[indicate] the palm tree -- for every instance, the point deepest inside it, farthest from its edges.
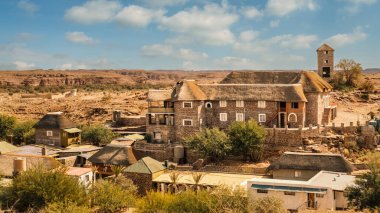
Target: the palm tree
(197, 177)
(174, 177)
(117, 170)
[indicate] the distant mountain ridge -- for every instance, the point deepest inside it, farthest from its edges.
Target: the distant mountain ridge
(372, 70)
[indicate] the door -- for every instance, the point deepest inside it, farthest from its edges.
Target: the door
(326, 72)
(281, 120)
(311, 201)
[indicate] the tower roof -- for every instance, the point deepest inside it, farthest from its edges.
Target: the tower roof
(324, 47)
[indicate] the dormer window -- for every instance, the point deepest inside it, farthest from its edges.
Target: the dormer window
(261, 104)
(239, 103)
(222, 103)
(187, 104)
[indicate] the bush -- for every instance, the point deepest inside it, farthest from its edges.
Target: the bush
(23, 132)
(368, 86)
(247, 138)
(212, 143)
(97, 134)
(267, 205)
(6, 125)
(37, 187)
(113, 195)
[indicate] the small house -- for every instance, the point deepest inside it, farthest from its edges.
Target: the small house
(56, 130)
(143, 172)
(111, 155)
(84, 175)
(303, 166)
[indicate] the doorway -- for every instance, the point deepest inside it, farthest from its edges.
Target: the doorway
(326, 72)
(311, 201)
(282, 119)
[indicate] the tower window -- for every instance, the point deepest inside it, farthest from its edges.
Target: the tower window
(326, 61)
(326, 52)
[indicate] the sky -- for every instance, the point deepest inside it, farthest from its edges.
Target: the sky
(185, 34)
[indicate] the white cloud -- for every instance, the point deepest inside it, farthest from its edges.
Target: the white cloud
(95, 11)
(354, 6)
(252, 12)
(163, 3)
(166, 50)
(137, 16)
(294, 41)
(27, 6)
(274, 23)
(249, 35)
(209, 25)
(235, 63)
(283, 8)
(79, 37)
(342, 39)
(21, 65)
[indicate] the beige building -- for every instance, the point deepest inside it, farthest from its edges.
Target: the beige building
(324, 191)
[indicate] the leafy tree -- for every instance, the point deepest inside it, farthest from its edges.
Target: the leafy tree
(350, 73)
(365, 194)
(113, 195)
(23, 132)
(6, 125)
(37, 187)
(226, 199)
(97, 134)
(211, 143)
(267, 205)
(247, 138)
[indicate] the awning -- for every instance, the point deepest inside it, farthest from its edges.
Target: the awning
(290, 188)
(72, 130)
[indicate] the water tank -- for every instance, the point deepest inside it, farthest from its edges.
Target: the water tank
(179, 152)
(19, 165)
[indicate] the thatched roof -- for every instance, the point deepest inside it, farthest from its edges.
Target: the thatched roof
(159, 95)
(54, 120)
(254, 92)
(311, 81)
(324, 47)
(188, 90)
(7, 147)
(114, 155)
(312, 161)
(146, 165)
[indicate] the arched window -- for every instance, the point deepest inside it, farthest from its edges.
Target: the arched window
(292, 118)
(208, 105)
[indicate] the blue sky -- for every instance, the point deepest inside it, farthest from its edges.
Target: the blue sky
(185, 34)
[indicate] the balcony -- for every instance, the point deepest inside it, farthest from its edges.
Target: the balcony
(160, 110)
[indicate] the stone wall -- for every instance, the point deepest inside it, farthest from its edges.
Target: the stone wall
(182, 113)
(42, 138)
(142, 181)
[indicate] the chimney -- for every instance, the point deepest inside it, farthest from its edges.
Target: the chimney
(43, 151)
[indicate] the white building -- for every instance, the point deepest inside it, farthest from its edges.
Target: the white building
(324, 191)
(85, 175)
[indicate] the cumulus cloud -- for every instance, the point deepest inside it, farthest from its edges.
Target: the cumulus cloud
(190, 55)
(343, 39)
(209, 25)
(157, 50)
(95, 11)
(137, 16)
(79, 37)
(231, 62)
(283, 8)
(166, 50)
(21, 65)
(249, 35)
(274, 23)
(252, 12)
(27, 6)
(294, 41)
(163, 3)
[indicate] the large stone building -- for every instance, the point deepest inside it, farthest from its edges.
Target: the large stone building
(285, 99)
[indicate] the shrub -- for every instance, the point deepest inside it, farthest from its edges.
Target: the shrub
(23, 132)
(267, 205)
(6, 125)
(97, 134)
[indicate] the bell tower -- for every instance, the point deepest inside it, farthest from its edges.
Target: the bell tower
(325, 59)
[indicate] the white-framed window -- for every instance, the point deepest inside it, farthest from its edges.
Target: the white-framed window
(292, 117)
(222, 103)
(262, 118)
(208, 105)
(239, 116)
(49, 133)
(261, 104)
(223, 116)
(295, 105)
(187, 104)
(297, 173)
(187, 122)
(239, 103)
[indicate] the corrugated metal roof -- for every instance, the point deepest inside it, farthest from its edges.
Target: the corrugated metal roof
(72, 130)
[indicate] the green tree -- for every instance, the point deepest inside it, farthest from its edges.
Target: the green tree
(267, 205)
(113, 195)
(247, 138)
(349, 74)
(212, 143)
(6, 125)
(23, 132)
(365, 194)
(97, 134)
(37, 187)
